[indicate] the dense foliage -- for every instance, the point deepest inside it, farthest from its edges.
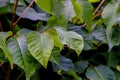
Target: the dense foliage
(59, 39)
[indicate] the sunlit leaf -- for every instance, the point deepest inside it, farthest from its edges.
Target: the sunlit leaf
(46, 5)
(111, 14)
(55, 37)
(72, 39)
(93, 1)
(72, 73)
(87, 12)
(78, 10)
(40, 46)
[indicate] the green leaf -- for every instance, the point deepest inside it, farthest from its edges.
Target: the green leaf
(99, 33)
(66, 64)
(5, 50)
(55, 56)
(55, 37)
(2, 57)
(20, 54)
(117, 75)
(72, 73)
(31, 14)
(8, 54)
(100, 73)
(46, 5)
(113, 57)
(111, 15)
(109, 40)
(88, 38)
(80, 66)
(72, 39)
(115, 36)
(87, 12)
(118, 67)
(40, 46)
(77, 9)
(5, 35)
(93, 1)
(62, 13)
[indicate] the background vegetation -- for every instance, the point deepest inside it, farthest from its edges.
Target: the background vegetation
(59, 39)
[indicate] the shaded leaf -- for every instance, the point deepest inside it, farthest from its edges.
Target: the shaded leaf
(72, 39)
(100, 73)
(115, 36)
(2, 56)
(40, 46)
(99, 33)
(80, 66)
(31, 14)
(20, 54)
(4, 3)
(55, 56)
(66, 64)
(114, 57)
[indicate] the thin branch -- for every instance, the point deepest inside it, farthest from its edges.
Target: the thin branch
(23, 13)
(13, 13)
(98, 6)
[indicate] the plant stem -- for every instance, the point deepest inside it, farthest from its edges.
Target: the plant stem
(23, 13)
(7, 72)
(98, 6)
(13, 13)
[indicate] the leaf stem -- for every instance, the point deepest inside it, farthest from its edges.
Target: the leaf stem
(13, 13)
(23, 13)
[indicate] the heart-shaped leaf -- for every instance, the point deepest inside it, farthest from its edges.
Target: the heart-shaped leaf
(20, 54)
(40, 46)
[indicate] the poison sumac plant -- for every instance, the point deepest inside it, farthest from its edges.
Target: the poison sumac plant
(59, 39)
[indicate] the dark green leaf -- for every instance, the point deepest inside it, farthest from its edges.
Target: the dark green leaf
(66, 64)
(81, 66)
(31, 14)
(116, 36)
(55, 56)
(100, 73)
